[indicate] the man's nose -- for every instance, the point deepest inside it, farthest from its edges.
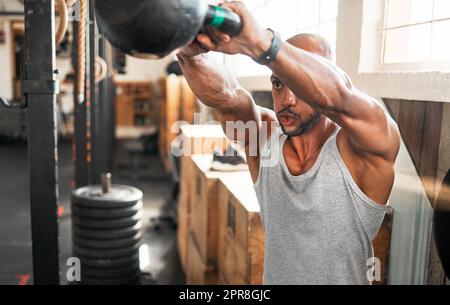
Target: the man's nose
(289, 99)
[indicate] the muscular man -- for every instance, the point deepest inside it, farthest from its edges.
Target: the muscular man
(325, 198)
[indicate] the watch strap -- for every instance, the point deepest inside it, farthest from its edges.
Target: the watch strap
(272, 52)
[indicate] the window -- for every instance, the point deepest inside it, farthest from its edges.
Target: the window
(416, 35)
(288, 17)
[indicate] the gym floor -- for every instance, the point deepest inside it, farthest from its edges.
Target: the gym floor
(159, 257)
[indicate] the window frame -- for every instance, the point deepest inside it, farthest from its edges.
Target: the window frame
(363, 64)
(319, 22)
(429, 65)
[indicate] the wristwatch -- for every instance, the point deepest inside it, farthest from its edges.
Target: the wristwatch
(272, 52)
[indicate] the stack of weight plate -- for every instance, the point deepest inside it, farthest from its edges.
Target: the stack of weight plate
(107, 231)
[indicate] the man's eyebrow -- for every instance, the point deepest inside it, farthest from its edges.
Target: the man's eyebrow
(273, 77)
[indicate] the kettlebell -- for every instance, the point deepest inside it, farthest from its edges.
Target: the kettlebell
(155, 28)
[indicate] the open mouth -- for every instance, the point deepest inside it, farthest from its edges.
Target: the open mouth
(286, 120)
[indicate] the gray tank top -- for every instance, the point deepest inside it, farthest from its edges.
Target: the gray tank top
(319, 225)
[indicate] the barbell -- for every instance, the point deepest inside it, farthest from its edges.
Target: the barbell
(155, 28)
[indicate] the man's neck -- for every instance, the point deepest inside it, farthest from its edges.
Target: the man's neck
(307, 145)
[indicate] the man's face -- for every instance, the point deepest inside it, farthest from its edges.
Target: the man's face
(295, 116)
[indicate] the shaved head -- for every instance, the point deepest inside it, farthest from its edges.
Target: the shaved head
(313, 43)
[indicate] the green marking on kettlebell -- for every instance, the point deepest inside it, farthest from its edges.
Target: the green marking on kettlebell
(219, 17)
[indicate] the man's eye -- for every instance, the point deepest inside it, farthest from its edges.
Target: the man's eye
(277, 84)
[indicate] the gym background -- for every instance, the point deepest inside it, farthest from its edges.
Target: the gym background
(173, 220)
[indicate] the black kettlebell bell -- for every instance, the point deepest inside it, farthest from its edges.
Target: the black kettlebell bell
(155, 28)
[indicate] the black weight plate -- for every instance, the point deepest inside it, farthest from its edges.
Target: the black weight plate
(131, 279)
(105, 253)
(109, 262)
(108, 244)
(107, 223)
(120, 196)
(108, 273)
(106, 213)
(92, 204)
(107, 234)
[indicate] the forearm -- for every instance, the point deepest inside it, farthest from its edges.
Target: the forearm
(312, 78)
(213, 84)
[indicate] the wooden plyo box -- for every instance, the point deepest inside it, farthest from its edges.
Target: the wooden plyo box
(193, 134)
(204, 217)
(198, 273)
(183, 228)
(241, 234)
(204, 207)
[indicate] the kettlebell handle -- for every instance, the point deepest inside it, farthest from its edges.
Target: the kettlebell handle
(224, 20)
